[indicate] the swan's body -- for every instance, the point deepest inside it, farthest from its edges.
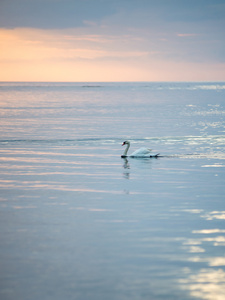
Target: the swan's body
(142, 152)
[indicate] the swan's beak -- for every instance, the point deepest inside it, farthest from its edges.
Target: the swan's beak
(123, 144)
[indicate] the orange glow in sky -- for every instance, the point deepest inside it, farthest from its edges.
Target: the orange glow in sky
(113, 49)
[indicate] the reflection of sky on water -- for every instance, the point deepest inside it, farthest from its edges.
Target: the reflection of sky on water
(220, 215)
(206, 280)
(206, 284)
(204, 276)
(133, 229)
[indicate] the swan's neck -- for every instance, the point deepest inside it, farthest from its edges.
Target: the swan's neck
(126, 150)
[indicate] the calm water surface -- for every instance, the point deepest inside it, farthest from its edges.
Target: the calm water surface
(79, 222)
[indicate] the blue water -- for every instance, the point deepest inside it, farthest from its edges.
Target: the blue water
(79, 222)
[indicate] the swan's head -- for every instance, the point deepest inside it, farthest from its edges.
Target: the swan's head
(126, 143)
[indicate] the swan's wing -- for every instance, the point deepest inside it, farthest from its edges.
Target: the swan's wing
(141, 152)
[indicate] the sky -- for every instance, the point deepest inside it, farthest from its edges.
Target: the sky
(112, 40)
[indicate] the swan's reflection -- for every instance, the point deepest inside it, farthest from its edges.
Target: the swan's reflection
(126, 166)
(126, 163)
(142, 162)
(139, 162)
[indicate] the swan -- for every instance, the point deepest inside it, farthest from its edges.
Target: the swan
(142, 152)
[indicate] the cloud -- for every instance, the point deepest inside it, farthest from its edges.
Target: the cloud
(51, 14)
(186, 34)
(29, 44)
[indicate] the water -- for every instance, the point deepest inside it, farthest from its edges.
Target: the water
(79, 222)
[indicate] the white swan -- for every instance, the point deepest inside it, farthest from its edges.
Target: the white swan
(142, 152)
